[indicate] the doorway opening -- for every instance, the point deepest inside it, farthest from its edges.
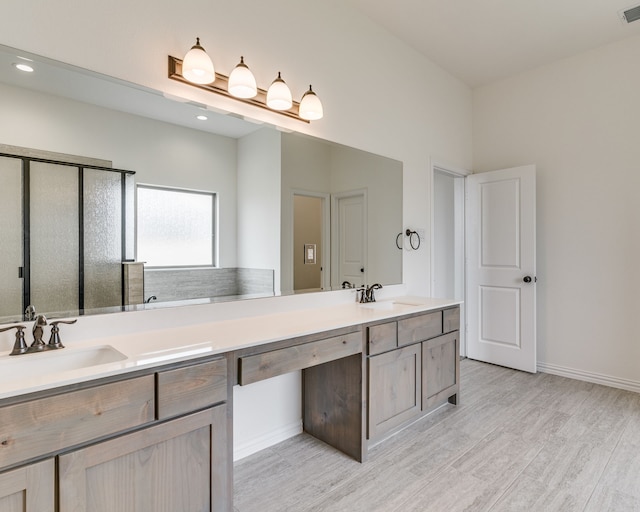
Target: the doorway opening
(448, 239)
(310, 243)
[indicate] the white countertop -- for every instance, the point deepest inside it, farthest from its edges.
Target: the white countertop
(28, 373)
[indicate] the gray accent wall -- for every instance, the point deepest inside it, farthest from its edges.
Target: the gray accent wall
(199, 283)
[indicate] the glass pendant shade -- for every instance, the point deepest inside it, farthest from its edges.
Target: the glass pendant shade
(197, 66)
(242, 83)
(279, 95)
(310, 106)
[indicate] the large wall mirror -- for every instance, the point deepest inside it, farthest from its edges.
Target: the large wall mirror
(285, 213)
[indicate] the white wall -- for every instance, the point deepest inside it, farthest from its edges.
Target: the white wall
(259, 202)
(578, 120)
(349, 60)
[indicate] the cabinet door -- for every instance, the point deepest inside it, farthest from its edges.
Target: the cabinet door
(28, 489)
(181, 465)
(440, 370)
(394, 389)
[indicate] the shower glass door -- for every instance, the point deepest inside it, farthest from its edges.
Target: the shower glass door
(54, 240)
(11, 266)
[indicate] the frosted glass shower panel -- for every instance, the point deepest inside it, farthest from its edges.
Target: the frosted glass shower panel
(102, 239)
(54, 237)
(130, 217)
(10, 237)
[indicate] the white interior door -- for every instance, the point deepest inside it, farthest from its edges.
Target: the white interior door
(501, 267)
(349, 238)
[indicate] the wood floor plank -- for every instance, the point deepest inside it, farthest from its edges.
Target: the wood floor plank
(517, 442)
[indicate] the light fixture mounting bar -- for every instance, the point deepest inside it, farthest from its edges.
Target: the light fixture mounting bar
(220, 86)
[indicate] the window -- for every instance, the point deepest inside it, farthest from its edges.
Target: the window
(175, 227)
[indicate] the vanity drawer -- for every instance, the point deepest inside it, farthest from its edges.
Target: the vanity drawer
(419, 328)
(278, 362)
(190, 388)
(51, 424)
(451, 320)
(382, 338)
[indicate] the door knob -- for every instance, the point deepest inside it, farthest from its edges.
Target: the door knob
(527, 279)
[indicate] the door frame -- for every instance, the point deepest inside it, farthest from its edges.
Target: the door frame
(460, 236)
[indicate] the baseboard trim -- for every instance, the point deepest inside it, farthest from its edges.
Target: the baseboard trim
(267, 440)
(596, 378)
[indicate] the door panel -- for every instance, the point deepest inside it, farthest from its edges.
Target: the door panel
(350, 239)
(501, 253)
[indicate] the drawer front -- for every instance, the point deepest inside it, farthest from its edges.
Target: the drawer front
(277, 362)
(190, 388)
(451, 320)
(382, 338)
(51, 424)
(419, 328)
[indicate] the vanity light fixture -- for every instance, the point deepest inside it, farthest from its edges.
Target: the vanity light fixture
(279, 95)
(197, 66)
(310, 106)
(242, 83)
(197, 70)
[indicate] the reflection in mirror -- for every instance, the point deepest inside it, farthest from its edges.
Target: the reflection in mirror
(255, 172)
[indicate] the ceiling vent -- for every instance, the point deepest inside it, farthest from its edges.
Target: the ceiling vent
(630, 14)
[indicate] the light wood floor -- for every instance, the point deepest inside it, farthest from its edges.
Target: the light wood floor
(536, 443)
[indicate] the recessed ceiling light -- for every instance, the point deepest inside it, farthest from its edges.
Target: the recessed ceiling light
(201, 118)
(24, 67)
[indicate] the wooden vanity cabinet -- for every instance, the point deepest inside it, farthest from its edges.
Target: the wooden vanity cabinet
(169, 466)
(159, 440)
(30, 488)
(413, 365)
(394, 389)
(440, 370)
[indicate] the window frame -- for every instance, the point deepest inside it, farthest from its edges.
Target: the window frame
(214, 223)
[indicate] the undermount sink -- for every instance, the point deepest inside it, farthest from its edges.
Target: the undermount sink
(389, 305)
(54, 361)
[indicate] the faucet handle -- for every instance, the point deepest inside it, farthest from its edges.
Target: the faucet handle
(54, 340)
(20, 345)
